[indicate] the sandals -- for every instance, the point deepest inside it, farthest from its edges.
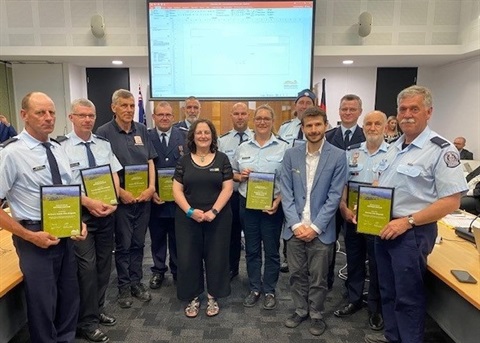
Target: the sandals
(212, 307)
(191, 311)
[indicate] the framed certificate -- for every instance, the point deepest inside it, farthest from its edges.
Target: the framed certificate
(352, 194)
(136, 179)
(374, 208)
(61, 210)
(165, 183)
(98, 184)
(260, 188)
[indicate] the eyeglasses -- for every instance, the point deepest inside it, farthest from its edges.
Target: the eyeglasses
(85, 116)
(264, 119)
(163, 115)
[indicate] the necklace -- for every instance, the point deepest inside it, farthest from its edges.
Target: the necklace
(202, 157)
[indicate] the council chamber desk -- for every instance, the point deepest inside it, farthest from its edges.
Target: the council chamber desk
(455, 306)
(12, 298)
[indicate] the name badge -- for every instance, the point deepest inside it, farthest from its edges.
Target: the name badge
(39, 168)
(73, 165)
(214, 169)
(138, 140)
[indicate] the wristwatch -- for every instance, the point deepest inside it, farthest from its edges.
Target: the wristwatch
(411, 221)
(214, 211)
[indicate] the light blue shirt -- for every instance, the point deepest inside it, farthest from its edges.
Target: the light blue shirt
(77, 154)
(24, 168)
(289, 130)
(266, 159)
(422, 173)
(365, 167)
(167, 135)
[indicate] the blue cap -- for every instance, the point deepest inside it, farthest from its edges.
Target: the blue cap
(306, 92)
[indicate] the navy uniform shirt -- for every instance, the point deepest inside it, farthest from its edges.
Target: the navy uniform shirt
(24, 168)
(422, 173)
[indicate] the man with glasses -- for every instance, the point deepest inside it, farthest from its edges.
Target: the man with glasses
(169, 143)
(191, 111)
(228, 144)
(94, 255)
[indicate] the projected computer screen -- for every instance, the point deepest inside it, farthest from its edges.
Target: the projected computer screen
(230, 49)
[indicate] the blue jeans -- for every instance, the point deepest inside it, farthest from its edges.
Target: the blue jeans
(260, 227)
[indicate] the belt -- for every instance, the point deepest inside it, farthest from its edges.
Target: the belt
(27, 222)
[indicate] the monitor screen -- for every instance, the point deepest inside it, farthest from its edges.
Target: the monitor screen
(222, 50)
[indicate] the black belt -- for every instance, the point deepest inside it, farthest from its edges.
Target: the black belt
(27, 222)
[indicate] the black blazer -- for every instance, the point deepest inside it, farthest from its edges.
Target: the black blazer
(334, 136)
(466, 155)
(167, 158)
(181, 125)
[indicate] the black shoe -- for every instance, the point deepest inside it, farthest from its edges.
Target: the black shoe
(124, 299)
(347, 310)
(317, 327)
(284, 267)
(107, 320)
(269, 302)
(233, 274)
(251, 299)
(375, 321)
(294, 320)
(375, 338)
(93, 336)
(138, 291)
(156, 280)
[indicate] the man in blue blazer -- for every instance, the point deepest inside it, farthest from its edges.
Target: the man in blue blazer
(342, 136)
(169, 143)
(312, 180)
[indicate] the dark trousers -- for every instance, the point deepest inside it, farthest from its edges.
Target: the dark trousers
(236, 237)
(162, 234)
(130, 228)
(338, 228)
(94, 257)
(262, 228)
(51, 289)
(358, 246)
(402, 263)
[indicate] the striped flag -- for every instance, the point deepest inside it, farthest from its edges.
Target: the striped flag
(141, 110)
(323, 101)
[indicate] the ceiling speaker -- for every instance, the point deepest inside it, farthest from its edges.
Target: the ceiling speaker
(97, 25)
(364, 24)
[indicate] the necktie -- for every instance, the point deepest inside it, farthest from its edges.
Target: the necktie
(241, 135)
(347, 138)
(56, 179)
(163, 141)
(91, 158)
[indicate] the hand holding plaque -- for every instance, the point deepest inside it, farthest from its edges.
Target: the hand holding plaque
(98, 184)
(374, 209)
(61, 210)
(136, 179)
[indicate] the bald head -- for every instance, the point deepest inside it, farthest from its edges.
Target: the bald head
(240, 116)
(459, 143)
(373, 127)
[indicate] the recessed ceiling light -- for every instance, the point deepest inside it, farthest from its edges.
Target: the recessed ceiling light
(347, 62)
(117, 62)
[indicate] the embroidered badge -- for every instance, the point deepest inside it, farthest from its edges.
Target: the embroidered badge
(452, 159)
(354, 160)
(138, 140)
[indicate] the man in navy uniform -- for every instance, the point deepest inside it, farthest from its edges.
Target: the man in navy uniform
(48, 264)
(94, 255)
(426, 173)
(348, 133)
(228, 144)
(169, 143)
(191, 111)
(131, 144)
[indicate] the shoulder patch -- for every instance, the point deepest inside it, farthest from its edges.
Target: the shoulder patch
(286, 122)
(452, 159)
(100, 137)
(8, 141)
(354, 146)
(61, 139)
(442, 143)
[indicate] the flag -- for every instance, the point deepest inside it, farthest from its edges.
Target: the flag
(323, 102)
(141, 110)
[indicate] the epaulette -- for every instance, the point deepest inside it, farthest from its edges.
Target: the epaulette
(182, 128)
(225, 134)
(286, 122)
(354, 146)
(8, 141)
(442, 143)
(61, 139)
(100, 137)
(55, 140)
(333, 128)
(281, 139)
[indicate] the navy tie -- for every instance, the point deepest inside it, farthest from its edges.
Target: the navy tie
(56, 178)
(241, 135)
(91, 158)
(163, 141)
(347, 138)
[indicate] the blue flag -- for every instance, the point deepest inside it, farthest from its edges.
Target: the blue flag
(141, 110)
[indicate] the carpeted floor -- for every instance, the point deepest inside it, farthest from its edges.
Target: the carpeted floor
(162, 319)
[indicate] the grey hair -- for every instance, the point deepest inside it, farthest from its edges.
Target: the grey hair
(416, 90)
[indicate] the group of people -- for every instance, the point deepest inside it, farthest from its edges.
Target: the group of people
(202, 227)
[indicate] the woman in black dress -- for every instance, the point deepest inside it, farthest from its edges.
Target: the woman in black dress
(202, 188)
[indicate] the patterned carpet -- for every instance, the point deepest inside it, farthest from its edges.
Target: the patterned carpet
(162, 320)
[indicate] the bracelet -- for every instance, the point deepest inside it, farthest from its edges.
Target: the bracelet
(190, 212)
